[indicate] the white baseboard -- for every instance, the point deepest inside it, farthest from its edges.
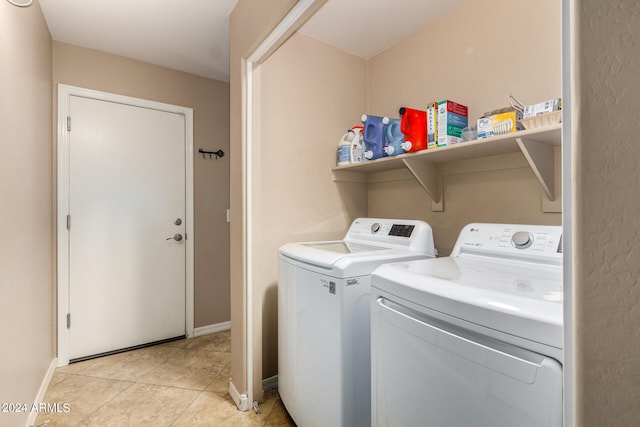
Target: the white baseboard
(31, 420)
(211, 329)
(241, 400)
(270, 383)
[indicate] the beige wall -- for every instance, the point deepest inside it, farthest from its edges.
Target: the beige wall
(210, 101)
(249, 23)
(606, 157)
(26, 248)
(475, 55)
(306, 107)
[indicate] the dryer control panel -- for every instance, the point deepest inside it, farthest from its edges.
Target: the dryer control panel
(511, 240)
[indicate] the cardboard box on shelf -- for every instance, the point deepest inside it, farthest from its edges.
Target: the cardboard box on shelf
(497, 124)
(432, 125)
(451, 119)
(454, 107)
(444, 140)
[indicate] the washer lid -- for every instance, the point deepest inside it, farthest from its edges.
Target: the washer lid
(343, 247)
(327, 254)
(343, 258)
(519, 298)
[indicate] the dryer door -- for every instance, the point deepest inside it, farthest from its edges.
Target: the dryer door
(428, 372)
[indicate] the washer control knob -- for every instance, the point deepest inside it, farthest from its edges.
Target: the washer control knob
(375, 227)
(522, 239)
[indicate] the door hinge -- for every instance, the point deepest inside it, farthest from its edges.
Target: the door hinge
(68, 222)
(68, 320)
(68, 123)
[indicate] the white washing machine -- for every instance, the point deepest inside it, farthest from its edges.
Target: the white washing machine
(323, 318)
(474, 339)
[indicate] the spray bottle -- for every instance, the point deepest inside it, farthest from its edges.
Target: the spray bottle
(357, 150)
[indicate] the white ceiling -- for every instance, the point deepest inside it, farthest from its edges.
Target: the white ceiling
(193, 35)
(367, 27)
(186, 35)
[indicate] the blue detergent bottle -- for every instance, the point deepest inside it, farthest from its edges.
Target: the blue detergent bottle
(393, 136)
(373, 137)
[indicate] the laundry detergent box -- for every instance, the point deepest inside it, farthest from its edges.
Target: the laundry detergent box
(451, 119)
(451, 113)
(444, 140)
(432, 125)
(449, 135)
(452, 130)
(453, 107)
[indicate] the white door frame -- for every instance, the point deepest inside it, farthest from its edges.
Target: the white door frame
(569, 92)
(64, 94)
(294, 19)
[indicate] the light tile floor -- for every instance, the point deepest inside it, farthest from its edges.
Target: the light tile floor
(181, 383)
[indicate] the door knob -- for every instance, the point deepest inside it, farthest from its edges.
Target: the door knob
(177, 237)
(178, 221)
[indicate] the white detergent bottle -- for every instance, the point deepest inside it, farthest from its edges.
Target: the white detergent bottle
(344, 148)
(356, 145)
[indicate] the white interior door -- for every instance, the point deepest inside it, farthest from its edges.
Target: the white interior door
(126, 202)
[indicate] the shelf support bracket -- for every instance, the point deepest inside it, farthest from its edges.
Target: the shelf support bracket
(541, 160)
(425, 173)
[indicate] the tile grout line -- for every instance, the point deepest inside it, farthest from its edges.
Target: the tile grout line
(108, 401)
(217, 374)
(185, 408)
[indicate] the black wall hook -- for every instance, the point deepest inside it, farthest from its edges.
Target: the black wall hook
(218, 153)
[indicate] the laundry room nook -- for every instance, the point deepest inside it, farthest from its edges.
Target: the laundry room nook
(356, 224)
(309, 93)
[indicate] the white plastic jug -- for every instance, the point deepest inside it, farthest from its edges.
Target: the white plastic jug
(344, 148)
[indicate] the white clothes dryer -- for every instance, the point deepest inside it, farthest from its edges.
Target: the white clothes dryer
(323, 318)
(474, 339)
